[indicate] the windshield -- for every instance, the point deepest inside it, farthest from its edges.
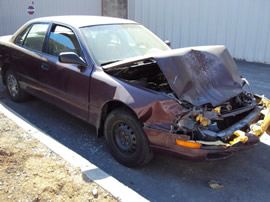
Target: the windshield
(111, 43)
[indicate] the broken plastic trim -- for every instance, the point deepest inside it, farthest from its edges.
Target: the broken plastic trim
(257, 128)
(213, 143)
(240, 124)
(241, 137)
(260, 127)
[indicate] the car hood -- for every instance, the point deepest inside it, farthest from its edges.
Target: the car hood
(198, 75)
(201, 75)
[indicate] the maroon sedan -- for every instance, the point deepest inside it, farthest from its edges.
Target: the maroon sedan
(143, 96)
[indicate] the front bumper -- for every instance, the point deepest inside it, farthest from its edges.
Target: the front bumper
(161, 141)
(164, 141)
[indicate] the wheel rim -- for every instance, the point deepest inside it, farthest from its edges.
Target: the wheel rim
(12, 85)
(125, 138)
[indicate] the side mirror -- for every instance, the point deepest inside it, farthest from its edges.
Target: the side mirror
(168, 43)
(71, 58)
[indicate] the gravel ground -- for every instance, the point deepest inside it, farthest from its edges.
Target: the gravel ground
(30, 171)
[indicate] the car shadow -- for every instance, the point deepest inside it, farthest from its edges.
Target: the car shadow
(165, 177)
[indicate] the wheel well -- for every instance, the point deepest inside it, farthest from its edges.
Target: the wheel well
(106, 109)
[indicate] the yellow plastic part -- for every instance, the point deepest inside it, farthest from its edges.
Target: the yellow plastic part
(256, 129)
(260, 128)
(240, 137)
(203, 120)
(217, 109)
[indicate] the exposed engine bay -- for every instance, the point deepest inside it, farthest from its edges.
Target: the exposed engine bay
(145, 73)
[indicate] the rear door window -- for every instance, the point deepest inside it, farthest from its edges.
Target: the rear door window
(62, 39)
(36, 36)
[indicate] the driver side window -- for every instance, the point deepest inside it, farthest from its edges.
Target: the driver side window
(63, 39)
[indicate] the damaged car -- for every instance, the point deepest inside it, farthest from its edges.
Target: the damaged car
(140, 94)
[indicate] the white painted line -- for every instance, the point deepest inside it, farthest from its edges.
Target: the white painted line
(89, 170)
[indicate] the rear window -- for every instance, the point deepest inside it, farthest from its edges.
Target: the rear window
(35, 37)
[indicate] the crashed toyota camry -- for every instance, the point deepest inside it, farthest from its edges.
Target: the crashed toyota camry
(142, 95)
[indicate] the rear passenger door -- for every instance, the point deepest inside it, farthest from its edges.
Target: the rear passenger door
(66, 84)
(26, 56)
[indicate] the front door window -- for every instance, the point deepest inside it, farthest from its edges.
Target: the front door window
(63, 39)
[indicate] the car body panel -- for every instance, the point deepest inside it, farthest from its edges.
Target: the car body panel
(27, 60)
(60, 82)
(201, 75)
(105, 88)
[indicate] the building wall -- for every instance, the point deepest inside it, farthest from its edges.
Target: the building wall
(13, 13)
(242, 25)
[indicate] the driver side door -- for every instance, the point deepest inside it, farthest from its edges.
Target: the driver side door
(66, 85)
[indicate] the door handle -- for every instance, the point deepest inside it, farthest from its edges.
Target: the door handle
(45, 66)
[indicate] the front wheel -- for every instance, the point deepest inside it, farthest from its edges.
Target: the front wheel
(13, 87)
(126, 139)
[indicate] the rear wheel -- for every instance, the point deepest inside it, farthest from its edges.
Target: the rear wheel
(126, 139)
(15, 92)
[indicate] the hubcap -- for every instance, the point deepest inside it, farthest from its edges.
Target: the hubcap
(125, 138)
(12, 85)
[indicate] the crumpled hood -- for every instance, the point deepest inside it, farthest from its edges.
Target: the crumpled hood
(201, 75)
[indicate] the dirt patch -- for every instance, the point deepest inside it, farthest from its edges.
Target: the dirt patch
(30, 171)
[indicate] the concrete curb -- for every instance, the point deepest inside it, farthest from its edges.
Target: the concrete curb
(89, 170)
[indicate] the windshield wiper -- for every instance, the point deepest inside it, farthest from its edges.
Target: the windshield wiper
(110, 62)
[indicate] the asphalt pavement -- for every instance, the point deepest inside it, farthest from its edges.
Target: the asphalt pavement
(244, 176)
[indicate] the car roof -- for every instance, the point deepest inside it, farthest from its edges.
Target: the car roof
(82, 20)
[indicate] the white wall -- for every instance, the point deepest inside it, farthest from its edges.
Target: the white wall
(13, 13)
(242, 25)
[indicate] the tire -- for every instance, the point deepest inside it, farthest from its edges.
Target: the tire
(126, 139)
(16, 93)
